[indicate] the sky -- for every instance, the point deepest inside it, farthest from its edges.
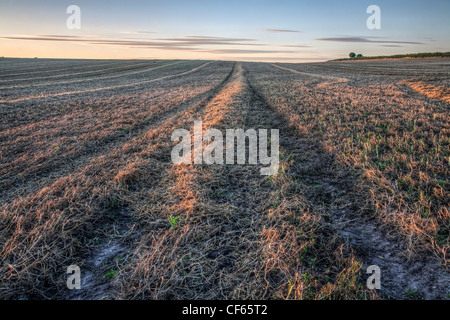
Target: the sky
(252, 30)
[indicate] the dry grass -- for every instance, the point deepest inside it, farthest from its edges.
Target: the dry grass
(84, 173)
(431, 91)
(237, 235)
(64, 218)
(399, 148)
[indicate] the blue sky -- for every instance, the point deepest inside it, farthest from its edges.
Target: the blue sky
(261, 30)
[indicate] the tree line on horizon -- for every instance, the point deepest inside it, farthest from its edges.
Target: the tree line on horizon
(354, 56)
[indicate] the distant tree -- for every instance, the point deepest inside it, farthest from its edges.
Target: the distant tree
(359, 55)
(352, 54)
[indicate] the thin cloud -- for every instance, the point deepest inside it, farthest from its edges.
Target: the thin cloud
(48, 38)
(69, 37)
(137, 32)
(365, 39)
(243, 51)
(217, 38)
(296, 46)
(209, 40)
(188, 43)
(204, 44)
(167, 47)
(164, 42)
(392, 46)
(282, 31)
